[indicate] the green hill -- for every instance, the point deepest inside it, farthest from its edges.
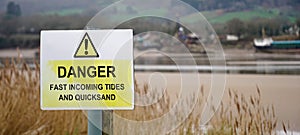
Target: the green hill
(219, 16)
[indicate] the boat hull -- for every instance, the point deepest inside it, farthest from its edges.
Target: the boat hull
(280, 47)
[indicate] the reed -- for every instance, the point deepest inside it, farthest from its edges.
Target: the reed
(20, 111)
(239, 115)
(20, 105)
(250, 116)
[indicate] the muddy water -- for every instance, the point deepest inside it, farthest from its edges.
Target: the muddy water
(283, 91)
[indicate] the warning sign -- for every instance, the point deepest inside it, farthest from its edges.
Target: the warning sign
(74, 77)
(86, 48)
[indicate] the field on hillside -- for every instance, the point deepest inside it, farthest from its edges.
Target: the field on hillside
(64, 12)
(218, 16)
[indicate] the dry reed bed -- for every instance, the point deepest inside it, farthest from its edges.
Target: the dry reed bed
(20, 111)
(20, 106)
(239, 116)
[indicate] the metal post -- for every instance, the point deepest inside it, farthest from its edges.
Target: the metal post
(100, 122)
(94, 122)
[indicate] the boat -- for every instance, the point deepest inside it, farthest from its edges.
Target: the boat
(269, 45)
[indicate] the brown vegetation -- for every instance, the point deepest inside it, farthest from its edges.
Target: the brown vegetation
(20, 106)
(21, 114)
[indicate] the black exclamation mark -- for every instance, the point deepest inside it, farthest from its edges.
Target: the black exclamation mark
(86, 47)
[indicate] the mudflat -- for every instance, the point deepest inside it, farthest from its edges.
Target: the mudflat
(282, 91)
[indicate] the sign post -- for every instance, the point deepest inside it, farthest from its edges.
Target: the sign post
(94, 120)
(87, 70)
(100, 122)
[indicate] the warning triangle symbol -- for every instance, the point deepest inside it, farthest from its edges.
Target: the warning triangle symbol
(86, 48)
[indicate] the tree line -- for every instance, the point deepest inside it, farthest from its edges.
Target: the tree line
(248, 30)
(23, 31)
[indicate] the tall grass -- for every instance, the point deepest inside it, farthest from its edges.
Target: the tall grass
(239, 116)
(20, 111)
(244, 115)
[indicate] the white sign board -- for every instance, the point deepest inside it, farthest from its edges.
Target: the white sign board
(87, 70)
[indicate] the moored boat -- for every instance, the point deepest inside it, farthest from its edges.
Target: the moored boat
(269, 45)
